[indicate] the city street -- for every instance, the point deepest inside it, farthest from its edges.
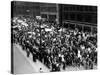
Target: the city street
(21, 64)
(25, 65)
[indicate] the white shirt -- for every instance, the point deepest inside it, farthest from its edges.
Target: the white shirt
(79, 55)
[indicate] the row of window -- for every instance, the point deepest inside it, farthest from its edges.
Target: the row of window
(80, 8)
(81, 27)
(91, 18)
(48, 9)
(50, 17)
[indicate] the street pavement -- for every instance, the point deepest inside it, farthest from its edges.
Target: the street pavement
(25, 65)
(21, 65)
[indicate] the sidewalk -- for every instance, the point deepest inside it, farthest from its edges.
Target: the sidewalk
(26, 63)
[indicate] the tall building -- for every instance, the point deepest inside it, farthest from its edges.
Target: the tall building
(45, 10)
(81, 16)
(25, 8)
(49, 11)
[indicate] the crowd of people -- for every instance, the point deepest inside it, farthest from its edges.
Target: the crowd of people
(55, 46)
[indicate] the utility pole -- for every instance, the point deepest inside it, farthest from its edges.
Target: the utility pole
(57, 16)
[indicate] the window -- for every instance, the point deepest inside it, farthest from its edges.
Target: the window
(81, 8)
(66, 16)
(66, 8)
(72, 26)
(79, 17)
(52, 17)
(52, 9)
(66, 25)
(87, 29)
(44, 9)
(94, 30)
(44, 15)
(72, 16)
(79, 27)
(88, 18)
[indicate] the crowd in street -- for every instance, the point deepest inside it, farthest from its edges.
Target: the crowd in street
(55, 46)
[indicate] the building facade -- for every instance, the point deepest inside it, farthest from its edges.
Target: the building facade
(80, 16)
(25, 8)
(45, 10)
(49, 11)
